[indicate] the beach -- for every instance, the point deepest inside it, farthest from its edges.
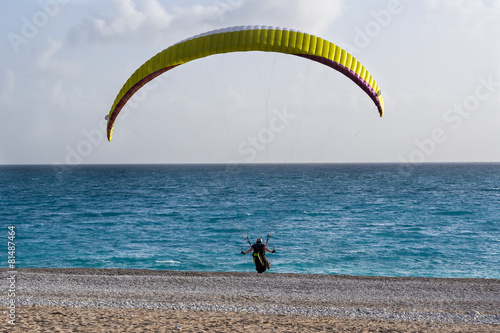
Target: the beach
(119, 300)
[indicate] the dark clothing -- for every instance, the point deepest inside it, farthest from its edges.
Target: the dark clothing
(259, 257)
(259, 247)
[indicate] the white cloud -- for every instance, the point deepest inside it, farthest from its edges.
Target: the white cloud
(58, 97)
(127, 19)
(475, 17)
(310, 16)
(53, 75)
(130, 19)
(44, 59)
(50, 65)
(149, 20)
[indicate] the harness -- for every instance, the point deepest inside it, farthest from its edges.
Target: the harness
(257, 256)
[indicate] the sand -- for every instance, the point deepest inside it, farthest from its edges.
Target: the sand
(115, 300)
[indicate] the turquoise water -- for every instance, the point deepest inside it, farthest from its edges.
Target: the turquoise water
(439, 220)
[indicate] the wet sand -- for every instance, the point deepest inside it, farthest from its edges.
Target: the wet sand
(115, 300)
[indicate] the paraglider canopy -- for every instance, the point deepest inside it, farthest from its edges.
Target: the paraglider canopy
(247, 38)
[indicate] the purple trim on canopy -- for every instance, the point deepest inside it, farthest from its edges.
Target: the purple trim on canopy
(350, 74)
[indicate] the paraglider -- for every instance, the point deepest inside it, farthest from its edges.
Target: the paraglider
(259, 254)
(241, 39)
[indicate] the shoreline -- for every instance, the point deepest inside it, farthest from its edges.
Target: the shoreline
(143, 271)
(408, 301)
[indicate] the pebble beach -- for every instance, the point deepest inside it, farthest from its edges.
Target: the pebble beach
(120, 300)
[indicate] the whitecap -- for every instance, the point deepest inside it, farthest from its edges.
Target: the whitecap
(167, 262)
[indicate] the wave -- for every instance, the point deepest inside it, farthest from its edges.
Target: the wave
(167, 262)
(453, 212)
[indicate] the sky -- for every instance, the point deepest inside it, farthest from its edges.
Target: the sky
(64, 61)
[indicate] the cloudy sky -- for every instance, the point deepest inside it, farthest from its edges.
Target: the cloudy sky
(64, 61)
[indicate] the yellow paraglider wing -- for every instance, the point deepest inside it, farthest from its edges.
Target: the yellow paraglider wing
(247, 38)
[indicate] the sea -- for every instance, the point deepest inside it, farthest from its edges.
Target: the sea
(428, 220)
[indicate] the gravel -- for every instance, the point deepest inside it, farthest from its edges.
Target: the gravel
(474, 301)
